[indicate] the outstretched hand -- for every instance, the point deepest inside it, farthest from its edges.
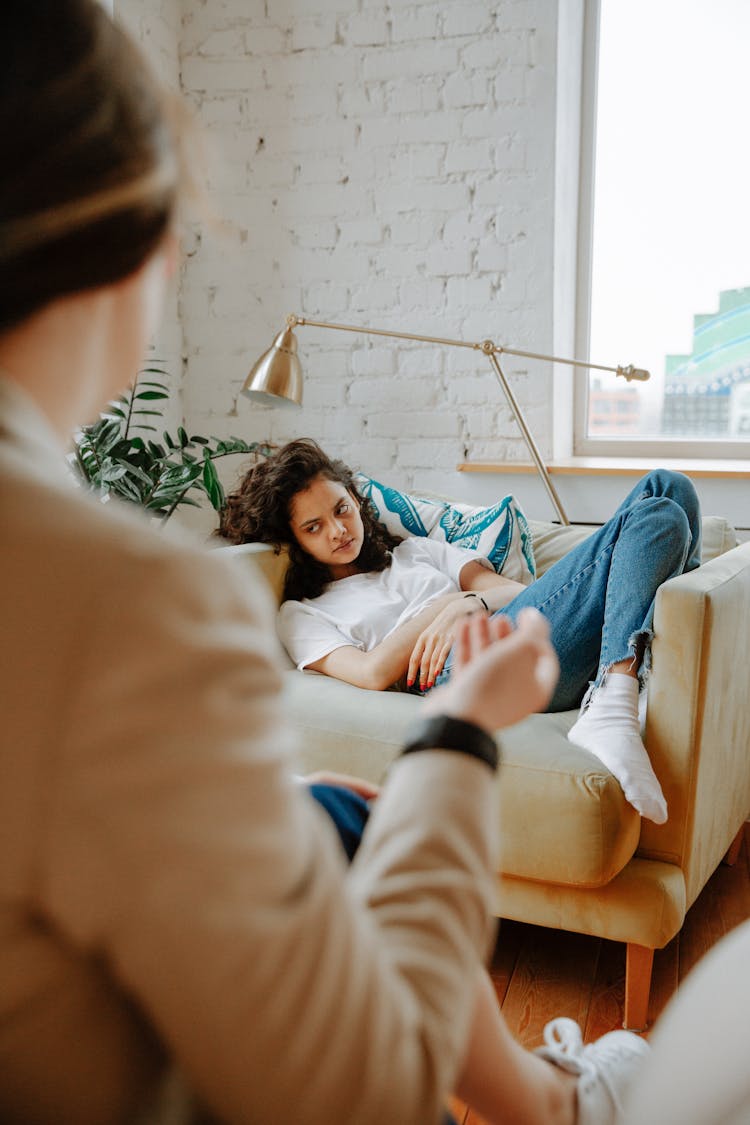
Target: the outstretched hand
(500, 674)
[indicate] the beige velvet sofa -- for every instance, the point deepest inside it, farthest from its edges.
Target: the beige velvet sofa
(574, 855)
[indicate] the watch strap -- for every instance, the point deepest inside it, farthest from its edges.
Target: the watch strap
(443, 732)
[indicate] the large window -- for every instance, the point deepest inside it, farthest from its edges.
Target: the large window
(666, 280)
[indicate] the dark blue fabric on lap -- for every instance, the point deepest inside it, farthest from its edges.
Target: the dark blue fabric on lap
(347, 810)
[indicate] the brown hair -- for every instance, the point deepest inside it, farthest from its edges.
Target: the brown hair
(90, 159)
(259, 511)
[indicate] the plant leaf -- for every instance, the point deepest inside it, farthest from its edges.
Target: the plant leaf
(128, 491)
(113, 472)
(212, 484)
(138, 474)
(159, 477)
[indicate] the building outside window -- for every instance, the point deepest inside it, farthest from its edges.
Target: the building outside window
(666, 238)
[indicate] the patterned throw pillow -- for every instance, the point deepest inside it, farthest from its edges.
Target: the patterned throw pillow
(500, 532)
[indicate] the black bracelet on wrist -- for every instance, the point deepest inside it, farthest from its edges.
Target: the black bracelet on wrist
(472, 594)
(443, 732)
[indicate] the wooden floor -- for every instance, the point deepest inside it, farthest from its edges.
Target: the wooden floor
(539, 974)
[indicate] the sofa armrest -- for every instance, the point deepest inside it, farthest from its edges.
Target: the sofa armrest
(698, 726)
(261, 561)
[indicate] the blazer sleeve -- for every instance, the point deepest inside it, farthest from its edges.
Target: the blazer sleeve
(180, 851)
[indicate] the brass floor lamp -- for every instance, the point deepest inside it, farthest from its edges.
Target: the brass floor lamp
(278, 375)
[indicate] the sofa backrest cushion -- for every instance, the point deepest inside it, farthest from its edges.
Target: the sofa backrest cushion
(551, 541)
(500, 533)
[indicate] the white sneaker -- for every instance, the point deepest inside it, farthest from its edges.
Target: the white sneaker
(606, 1068)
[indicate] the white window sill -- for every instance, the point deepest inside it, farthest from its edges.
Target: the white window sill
(592, 487)
(615, 466)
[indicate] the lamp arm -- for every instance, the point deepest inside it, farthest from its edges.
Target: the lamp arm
(531, 445)
(293, 320)
(629, 373)
(492, 351)
(486, 346)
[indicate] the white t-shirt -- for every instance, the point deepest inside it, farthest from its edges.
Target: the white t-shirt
(364, 609)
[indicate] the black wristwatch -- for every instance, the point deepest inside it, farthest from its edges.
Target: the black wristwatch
(442, 732)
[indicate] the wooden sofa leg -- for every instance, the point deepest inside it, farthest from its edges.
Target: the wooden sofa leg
(638, 964)
(734, 848)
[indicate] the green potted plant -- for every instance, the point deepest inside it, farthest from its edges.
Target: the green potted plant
(113, 457)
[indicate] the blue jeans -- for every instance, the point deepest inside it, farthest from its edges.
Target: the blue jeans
(599, 598)
(347, 810)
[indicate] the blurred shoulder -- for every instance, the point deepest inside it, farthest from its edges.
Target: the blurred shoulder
(65, 542)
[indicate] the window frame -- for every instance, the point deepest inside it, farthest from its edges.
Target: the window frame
(697, 449)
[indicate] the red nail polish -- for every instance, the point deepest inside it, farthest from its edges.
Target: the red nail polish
(410, 683)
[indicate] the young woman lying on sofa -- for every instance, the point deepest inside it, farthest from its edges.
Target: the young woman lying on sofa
(368, 608)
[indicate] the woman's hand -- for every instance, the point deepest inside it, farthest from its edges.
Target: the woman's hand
(499, 674)
(345, 781)
(436, 640)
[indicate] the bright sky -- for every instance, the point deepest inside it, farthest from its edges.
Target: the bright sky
(672, 222)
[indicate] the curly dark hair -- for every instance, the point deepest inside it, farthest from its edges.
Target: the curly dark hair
(258, 512)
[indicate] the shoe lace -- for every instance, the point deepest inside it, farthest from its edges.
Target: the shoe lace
(596, 1061)
(564, 1035)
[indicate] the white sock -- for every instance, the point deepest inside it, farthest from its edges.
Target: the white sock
(610, 729)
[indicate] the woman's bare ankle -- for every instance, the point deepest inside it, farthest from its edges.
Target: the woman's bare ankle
(625, 668)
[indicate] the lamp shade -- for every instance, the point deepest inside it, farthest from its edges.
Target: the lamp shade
(276, 378)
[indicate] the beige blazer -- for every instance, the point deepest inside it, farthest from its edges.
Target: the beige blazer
(166, 888)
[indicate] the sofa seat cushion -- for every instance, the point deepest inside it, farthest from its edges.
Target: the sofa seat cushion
(563, 818)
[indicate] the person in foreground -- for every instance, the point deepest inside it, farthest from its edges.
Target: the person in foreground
(364, 607)
(167, 889)
(698, 1072)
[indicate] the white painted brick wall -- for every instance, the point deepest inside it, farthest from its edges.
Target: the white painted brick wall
(382, 163)
(157, 24)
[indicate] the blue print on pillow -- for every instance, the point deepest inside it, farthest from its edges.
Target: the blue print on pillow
(397, 511)
(500, 532)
